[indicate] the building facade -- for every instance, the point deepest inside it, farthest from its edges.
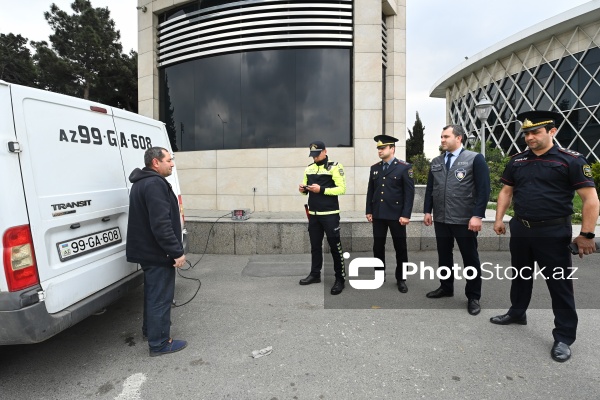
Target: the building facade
(554, 65)
(244, 87)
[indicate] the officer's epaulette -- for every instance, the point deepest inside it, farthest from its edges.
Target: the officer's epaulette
(570, 152)
(402, 162)
(518, 154)
(310, 164)
(377, 163)
(331, 164)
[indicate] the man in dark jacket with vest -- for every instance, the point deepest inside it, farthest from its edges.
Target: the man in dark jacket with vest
(458, 190)
(390, 196)
(154, 240)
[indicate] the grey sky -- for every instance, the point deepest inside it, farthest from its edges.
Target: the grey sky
(26, 17)
(439, 35)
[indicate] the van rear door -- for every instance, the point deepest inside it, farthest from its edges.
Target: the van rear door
(136, 134)
(76, 192)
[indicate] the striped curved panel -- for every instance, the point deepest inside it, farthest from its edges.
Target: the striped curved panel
(255, 24)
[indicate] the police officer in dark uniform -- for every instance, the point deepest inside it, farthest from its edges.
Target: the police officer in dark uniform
(324, 181)
(390, 197)
(541, 182)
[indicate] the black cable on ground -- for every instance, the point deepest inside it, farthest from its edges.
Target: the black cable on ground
(196, 263)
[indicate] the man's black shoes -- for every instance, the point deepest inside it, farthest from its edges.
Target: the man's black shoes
(473, 307)
(439, 292)
(402, 288)
(506, 319)
(310, 279)
(337, 288)
(560, 352)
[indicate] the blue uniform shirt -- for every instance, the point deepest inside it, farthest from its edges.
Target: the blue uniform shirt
(544, 185)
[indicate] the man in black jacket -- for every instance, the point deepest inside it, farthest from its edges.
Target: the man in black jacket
(390, 196)
(154, 240)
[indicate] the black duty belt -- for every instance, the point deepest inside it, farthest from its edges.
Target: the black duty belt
(549, 222)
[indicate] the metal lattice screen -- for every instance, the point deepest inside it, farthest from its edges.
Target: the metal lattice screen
(560, 74)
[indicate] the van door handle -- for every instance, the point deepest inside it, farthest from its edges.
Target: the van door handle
(105, 219)
(75, 226)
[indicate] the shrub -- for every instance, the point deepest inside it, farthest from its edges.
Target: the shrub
(596, 175)
(496, 163)
(420, 165)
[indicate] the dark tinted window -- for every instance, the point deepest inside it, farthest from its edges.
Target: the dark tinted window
(271, 98)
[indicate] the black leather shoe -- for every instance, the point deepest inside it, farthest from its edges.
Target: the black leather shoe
(310, 279)
(337, 287)
(561, 352)
(473, 307)
(506, 319)
(439, 292)
(402, 288)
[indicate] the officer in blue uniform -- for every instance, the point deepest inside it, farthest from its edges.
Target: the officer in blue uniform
(390, 197)
(541, 182)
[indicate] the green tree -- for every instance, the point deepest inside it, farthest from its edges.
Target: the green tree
(54, 73)
(496, 163)
(420, 166)
(596, 175)
(118, 83)
(414, 144)
(16, 62)
(85, 59)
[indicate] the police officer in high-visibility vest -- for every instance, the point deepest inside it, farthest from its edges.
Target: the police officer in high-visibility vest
(390, 196)
(324, 181)
(541, 182)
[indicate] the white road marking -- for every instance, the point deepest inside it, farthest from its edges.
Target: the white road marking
(131, 387)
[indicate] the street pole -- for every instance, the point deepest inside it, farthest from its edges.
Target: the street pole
(483, 138)
(483, 109)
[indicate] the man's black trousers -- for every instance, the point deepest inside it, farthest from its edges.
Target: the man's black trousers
(318, 225)
(398, 232)
(445, 234)
(546, 245)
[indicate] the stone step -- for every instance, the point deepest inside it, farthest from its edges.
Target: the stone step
(286, 233)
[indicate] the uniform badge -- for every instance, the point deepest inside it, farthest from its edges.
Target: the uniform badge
(341, 172)
(460, 174)
(587, 171)
(410, 173)
(375, 172)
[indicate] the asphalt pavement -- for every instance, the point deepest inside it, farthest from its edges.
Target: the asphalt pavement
(362, 344)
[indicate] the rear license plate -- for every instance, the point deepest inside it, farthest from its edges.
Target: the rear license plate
(87, 244)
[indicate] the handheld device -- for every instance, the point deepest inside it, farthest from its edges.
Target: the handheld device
(575, 249)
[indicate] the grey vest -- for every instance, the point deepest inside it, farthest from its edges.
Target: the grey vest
(453, 191)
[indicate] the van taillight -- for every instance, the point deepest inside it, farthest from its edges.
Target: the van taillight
(181, 209)
(19, 258)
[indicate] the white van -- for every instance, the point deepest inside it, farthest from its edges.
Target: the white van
(64, 165)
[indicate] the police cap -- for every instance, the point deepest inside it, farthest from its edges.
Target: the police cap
(385, 140)
(316, 148)
(531, 120)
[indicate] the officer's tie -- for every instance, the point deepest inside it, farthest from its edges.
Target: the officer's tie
(448, 157)
(385, 166)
